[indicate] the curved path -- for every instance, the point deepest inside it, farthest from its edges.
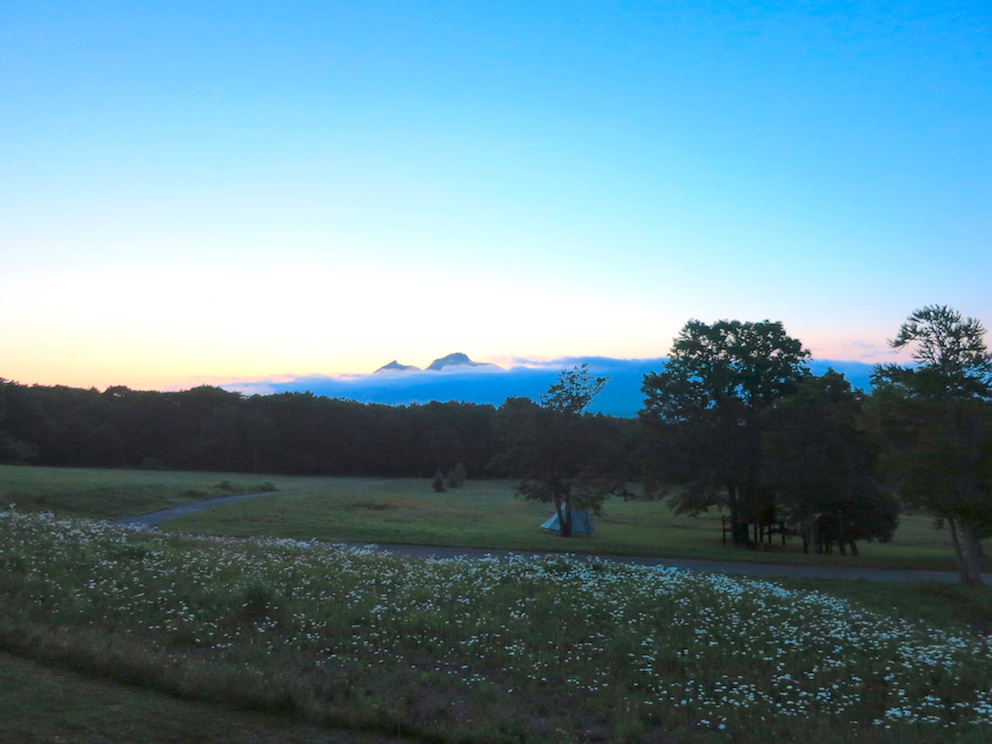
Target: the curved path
(154, 518)
(739, 568)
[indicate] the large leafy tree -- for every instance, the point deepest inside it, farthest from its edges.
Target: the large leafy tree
(705, 412)
(938, 417)
(820, 463)
(560, 454)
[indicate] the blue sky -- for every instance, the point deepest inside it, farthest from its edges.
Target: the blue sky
(206, 192)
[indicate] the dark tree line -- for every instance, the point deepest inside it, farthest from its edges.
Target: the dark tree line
(208, 428)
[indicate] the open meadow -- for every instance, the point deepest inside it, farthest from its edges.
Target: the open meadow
(112, 494)
(487, 514)
(546, 649)
(481, 514)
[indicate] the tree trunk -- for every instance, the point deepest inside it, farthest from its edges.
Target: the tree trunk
(809, 535)
(738, 530)
(967, 552)
(958, 555)
(564, 512)
(971, 554)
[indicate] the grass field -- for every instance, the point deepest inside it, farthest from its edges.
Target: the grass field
(294, 630)
(45, 704)
(111, 494)
(486, 514)
(549, 650)
(482, 514)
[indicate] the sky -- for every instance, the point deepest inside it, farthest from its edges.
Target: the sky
(207, 192)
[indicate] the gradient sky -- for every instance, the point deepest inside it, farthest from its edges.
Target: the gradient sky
(215, 191)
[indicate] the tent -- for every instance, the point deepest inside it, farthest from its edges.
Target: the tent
(581, 524)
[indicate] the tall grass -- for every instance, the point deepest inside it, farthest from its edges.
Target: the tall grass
(554, 650)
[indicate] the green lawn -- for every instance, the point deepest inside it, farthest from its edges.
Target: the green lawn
(486, 514)
(482, 514)
(111, 494)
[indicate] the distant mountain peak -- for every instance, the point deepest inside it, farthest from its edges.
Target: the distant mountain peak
(446, 362)
(456, 360)
(395, 366)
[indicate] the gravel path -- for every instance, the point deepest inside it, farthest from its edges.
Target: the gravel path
(154, 518)
(738, 568)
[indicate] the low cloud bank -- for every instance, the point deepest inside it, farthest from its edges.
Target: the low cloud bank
(621, 397)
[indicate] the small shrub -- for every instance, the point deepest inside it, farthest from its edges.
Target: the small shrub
(438, 483)
(456, 478)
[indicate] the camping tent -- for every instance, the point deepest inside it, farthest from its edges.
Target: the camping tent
(581, 524)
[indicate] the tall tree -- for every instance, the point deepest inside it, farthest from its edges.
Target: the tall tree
(705, 410)
(557, 451)
(938, 415)
(820, 463)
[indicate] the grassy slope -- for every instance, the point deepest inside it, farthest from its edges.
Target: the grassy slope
(369, 639)
(97, 711)
(384, 511)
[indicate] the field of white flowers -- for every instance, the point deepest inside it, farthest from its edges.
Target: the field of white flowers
(482, 650)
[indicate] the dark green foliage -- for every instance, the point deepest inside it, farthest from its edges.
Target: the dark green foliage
(438, 482)
(938, 420)
(704, 411)
(456, 478)
(573, 391)
(208, 428)
(820, 464)
(559, 454)
(950, 353)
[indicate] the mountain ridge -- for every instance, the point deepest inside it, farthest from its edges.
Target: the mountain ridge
(395, 366)
(455, 359)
